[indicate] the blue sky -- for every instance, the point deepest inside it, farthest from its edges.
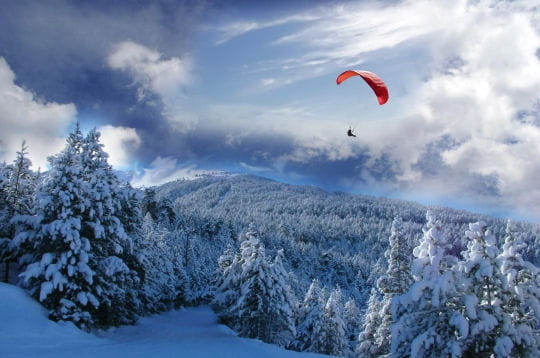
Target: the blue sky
(181, 87)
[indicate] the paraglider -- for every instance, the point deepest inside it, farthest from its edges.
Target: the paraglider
(350, 133)
(375, 82)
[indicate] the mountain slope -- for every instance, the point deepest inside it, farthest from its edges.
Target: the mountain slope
(337, 238)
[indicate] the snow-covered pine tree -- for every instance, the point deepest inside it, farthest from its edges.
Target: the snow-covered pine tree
(520, 299)
(19, 191)
(75, 139)
(352, 315)
(5, 227)
(254, 302)
(4, 179)
(22, 183)
(329, 335)
(60, 276)
(282, 305)
(367, 345)
(493, 300)
(130, 216)
(228, 285)
(424, 316)
(160, 282)
(395, 281)
(483, 292)
(309, 314)
(111, 247)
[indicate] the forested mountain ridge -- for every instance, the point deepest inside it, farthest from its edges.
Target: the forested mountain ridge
(314, 225)
(245, 198)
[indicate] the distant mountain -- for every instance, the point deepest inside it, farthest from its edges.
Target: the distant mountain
(336, 237)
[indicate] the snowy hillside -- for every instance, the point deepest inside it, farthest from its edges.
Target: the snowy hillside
(26, 332)
(325, 235)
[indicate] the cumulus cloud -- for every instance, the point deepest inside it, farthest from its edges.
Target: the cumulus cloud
(155, 75)
(24, 116)
(119, 143)
(149, 69)
(484, 79)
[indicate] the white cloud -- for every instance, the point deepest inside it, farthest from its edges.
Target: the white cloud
(150, 70)
(345, 35)
(23, 116)
(119, 143)
(163, 170)
(238, 28)
(477, 104)
(157, 75)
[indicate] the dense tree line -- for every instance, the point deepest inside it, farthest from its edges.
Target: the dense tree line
(295, 266)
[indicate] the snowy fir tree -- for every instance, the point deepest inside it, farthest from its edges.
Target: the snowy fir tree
(4, 212)
(253, 307)
(61, 277)
(163, 278)
(330, 333)
(253, 295)
(423, 316)
(18, 193)
(80, 247)
(395, 281)
(309, 315)
(520, 295)
(367, 344)
(283, 302)
(111, 247)
(228, 285)
(483, 292)
(500, 316)
(5, 217)
(351, 315)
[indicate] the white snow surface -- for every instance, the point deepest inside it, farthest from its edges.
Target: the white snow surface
(25, 331)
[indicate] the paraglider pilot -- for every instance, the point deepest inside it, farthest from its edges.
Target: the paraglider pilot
(350, 133)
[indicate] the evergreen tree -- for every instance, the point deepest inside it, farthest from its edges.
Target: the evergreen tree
(424, 316)
(498, 307)
(253, 306)
(483, 291)
(520, 296)
(375, 339)
(395, 281)
(5, 228)
(367, 345)
(158, 256)
(282, 303)
(352, 322)
(60, 277)
(111, 247)
(309, 314)
(19, 193)
(253, 294)
(329, 336)
(228, 286)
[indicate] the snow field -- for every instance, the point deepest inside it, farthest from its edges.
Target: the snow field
(25, 331)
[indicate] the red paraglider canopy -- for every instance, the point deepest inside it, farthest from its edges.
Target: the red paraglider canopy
(374, 81)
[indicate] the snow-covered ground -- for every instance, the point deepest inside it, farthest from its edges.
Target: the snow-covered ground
(193, 332)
